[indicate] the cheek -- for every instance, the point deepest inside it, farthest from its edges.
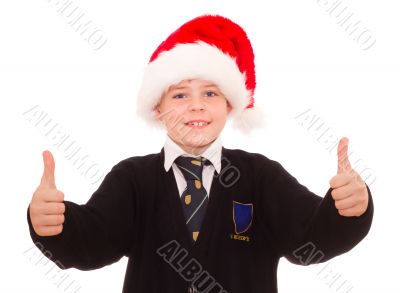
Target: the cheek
(174, 119)
(169, 109)
(220, 114)
(177, 106)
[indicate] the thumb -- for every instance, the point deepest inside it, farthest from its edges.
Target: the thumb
(343, 159)
(48, 180)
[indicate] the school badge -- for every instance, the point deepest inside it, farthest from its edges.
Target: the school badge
(242, 219)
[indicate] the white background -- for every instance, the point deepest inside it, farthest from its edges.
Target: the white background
(304, 60)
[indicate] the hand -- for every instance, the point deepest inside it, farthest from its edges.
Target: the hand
(47, 207)
(349, 190)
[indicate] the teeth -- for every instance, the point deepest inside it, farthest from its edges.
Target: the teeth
(198, 123)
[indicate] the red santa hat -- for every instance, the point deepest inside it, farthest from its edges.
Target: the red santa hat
(212, 48)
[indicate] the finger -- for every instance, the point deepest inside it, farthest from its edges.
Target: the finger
(52, 208)
(343, 192)
(340, 180)
(42, 209)
(354, 211)
(347, 202)
(50, 195)
(48, 172)
(50, 220)
(49, 230)
(342, 154)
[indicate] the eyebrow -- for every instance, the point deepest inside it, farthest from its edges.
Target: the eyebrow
(185, 87)
(177, 87)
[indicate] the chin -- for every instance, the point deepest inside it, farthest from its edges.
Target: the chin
(197, 141)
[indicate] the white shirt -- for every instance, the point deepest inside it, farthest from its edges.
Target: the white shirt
(212, 153)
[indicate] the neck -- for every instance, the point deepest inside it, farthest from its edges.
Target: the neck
(193, 150)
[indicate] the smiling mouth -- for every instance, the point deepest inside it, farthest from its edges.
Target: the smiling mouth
(197, 124)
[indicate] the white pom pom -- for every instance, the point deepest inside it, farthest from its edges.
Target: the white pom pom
(249, 119)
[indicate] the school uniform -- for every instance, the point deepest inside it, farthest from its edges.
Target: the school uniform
(257, 213)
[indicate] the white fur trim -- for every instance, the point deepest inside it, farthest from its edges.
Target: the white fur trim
(249, 119)
(190, 61)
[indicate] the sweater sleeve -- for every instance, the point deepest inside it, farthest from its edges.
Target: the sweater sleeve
(308, 228)
(97, 233)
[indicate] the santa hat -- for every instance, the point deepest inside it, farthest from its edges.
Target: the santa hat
(212, 48)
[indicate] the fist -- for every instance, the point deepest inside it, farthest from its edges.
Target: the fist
(348, 189)
(47, 207)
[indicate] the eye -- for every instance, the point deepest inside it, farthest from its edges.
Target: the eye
(210, 94)
(179, 96)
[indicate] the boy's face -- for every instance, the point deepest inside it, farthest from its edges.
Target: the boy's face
(193, 101)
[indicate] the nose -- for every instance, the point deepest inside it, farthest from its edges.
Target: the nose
(196, 104)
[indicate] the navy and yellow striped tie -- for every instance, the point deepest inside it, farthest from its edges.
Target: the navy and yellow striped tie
(194, 198)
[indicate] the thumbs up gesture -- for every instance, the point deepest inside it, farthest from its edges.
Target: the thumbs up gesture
(348, 189)
(47, 207)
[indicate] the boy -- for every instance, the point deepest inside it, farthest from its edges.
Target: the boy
(198, 217)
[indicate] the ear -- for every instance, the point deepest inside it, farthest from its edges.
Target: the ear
(157, 111)
(228, 106)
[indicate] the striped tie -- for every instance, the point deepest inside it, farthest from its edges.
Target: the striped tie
(194, 198)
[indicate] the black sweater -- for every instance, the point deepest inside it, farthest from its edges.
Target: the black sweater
(136, 212)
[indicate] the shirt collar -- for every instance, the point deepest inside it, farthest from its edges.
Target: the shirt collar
(212, 153)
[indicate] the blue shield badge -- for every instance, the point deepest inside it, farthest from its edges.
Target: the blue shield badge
(242, 216)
